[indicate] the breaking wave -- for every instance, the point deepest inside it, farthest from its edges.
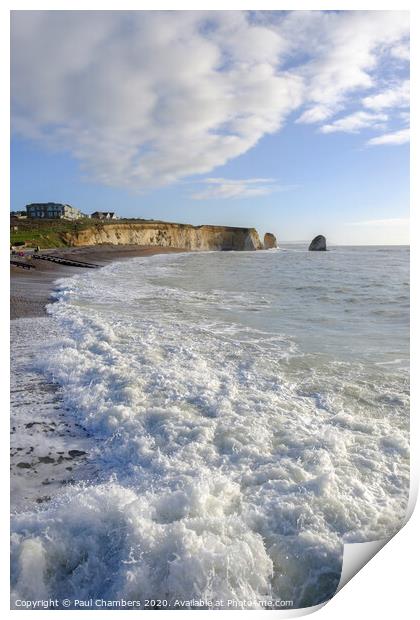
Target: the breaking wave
(238, 445)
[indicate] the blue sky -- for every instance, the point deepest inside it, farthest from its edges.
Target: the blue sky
(295, 123)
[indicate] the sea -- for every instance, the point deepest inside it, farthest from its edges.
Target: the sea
(246, 415)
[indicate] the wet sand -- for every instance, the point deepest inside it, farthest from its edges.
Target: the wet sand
(30, 289)
(49, 447)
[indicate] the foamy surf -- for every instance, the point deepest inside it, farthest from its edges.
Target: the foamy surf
(244, 428)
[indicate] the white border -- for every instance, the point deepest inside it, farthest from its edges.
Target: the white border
(387, 586)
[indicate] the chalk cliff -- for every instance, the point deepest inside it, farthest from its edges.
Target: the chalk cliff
(165, 234)
(270, 241)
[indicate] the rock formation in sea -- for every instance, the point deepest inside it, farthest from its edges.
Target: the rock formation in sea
(319, 243)
(166, 234)
(270, 241)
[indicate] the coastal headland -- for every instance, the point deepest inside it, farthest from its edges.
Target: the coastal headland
(87, 231)
(101, 243)
(52, 449)
(166, 234)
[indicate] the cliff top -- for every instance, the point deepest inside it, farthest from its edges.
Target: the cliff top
(52, 233)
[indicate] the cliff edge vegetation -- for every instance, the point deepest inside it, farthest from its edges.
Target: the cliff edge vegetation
(59, 233)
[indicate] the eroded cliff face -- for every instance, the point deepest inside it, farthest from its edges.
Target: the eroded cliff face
(270, 241)
(182, 236)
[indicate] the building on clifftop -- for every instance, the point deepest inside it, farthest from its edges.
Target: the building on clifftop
(104, 215)
(52, 211)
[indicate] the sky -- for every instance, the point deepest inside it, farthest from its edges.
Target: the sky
(294, 122)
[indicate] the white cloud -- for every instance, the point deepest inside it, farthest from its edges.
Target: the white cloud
(348, 46)
(237, 188)
(394, 97)
(355, 122)
(146, 98)
(316, 114)
(397, 137)
(401, 51)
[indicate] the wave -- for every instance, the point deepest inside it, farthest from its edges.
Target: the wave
(233, 464)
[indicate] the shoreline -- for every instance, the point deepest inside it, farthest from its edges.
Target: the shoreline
(30, 290)
(50, 449)
(149, 390)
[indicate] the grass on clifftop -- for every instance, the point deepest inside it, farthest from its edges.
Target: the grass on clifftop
(45, 233)
(49, 233)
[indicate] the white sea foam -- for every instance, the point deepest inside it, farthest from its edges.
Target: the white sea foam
(234, 460)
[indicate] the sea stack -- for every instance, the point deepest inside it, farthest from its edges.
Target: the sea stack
(270, 241)
(319, 244)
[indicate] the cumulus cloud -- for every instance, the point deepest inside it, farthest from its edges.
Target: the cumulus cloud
(396, 137)
(401, 50)
(237, 188)
(355, 122)
(316, 114)
(346, 50)
(397, 96)
(146, 98)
